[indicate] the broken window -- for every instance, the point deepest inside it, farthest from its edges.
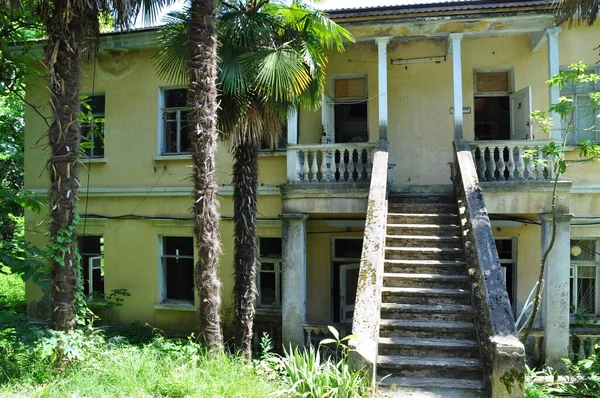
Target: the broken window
(91, 249)
(178, 268)
(175, 125)
(92, 125)
(269, 277)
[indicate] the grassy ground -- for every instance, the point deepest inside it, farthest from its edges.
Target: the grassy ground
(113, 366)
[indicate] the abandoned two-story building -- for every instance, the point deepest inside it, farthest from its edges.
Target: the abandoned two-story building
(376, 173)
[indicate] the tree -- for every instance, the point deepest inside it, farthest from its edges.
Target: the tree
(202, 99)
(72, 27)
(582, 10)
(272, 59)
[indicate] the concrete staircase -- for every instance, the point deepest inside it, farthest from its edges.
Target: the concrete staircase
(427, 343)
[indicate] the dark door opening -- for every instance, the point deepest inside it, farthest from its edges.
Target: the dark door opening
(492, 118)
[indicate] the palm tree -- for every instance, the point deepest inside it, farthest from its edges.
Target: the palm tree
(202, 99)
(272, 59)
(72, 27)
(582, 10)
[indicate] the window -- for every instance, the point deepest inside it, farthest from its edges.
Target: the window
(92, 126)
(584, 119)
(508, 261)
(278, 143)
(584, 260)
(269, 273)
(346, 264)
(350, 109)
(491, 103)
(91, 249)
(175, 138)
(177, 261)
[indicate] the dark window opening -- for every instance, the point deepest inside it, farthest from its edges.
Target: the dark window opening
(176, 126)
(178, 263)
(269, 276)
(351, 123)
(92, 264)
(92, 126)
(492, 118)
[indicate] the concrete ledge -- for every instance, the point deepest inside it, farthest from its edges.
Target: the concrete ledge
(365, 323)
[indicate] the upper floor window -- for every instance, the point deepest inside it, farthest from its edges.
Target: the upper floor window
(269, 273)
(584, 268)
(584, 125)
(92, 125)
(177, 266)
(91, 249)
(277, 143)
(175, 137)
(350, 109)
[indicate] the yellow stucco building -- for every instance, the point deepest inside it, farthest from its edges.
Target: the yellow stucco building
(412, 67)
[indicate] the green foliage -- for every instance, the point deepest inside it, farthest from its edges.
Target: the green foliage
(533, 390)
(12, 291)
(306, 372)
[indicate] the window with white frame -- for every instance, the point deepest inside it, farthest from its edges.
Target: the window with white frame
(584, 268)
(177, 262)
(92, 125)
(269, 281)
(584, 119)
(91, 250)
(175, 137)
(346, 252)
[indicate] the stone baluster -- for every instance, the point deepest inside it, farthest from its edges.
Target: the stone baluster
(520, 163)
(360, 166)
(511, 162)
(550, 167)
(323, 168)
(530, 169)
(342, 167)
(482, 165)
(305, 166)
(537, 355)
(368, 164)
(501, 165)
(592, 345)
(570, 351)
(297, 175)
(331, 165)
(541, 166)
(315, 167)
(581, 351)
(491, 165)
(351, 164)
(473, 150)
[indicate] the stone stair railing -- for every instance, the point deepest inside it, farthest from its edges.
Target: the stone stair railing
(502, 353)
(330, 163)
(501, 161)
(365, 322)
(582, 344)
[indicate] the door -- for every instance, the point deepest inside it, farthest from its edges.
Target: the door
(348, 283)
(328, 120)
(520, 111)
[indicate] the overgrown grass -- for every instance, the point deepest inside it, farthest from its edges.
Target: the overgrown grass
(12, 291)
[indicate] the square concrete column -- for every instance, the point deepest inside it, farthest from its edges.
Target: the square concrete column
(293, 306)
(554, 69)
(382, 79)
(555, 304)
(454, 48)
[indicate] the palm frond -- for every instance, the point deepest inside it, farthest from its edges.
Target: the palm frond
(170, 59)
(576, 10)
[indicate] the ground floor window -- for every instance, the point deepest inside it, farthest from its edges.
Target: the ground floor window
(507, 251)
(584, 268)
(177, 263)
(91, 249)
(269, 275)
(346, 254)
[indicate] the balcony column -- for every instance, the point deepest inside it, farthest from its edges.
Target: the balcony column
(293, 306)
(454, 42)
(554, 69)
(292, 139)
(555, 303)
(382, 74)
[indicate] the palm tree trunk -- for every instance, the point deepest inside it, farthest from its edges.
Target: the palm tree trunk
(245, 189)
(63, 59)
(203, 118)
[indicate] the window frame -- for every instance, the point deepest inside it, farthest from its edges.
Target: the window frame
(573, 274)
(161, 123)
(162, 269)
(98, 126)
(335, 265)
(514, 262)
(90, 257)
(511, 79)
(573, 138)
(277, 270)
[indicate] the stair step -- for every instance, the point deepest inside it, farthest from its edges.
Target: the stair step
(409, 346)
(426, 266)
(465, 386)
(427, 309)
(420, 295)
(434, 329)
(423, 229)
(426, 208)
(422, 199)
(424, 253)
(424, 240)
(427, 280)
(467, 368)
(422, 218)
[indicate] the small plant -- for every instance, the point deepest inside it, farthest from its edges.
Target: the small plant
(584, 317)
